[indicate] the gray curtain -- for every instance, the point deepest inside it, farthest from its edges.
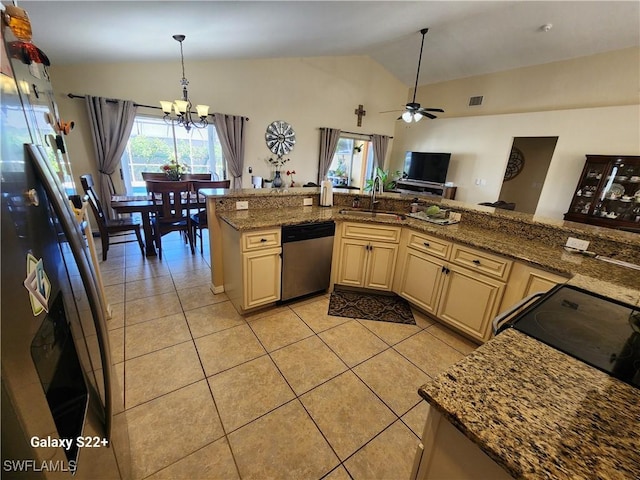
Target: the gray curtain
(328, 143)
(380, 144)
(110, 122)
(230, 130)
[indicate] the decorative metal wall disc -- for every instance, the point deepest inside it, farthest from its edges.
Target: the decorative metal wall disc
(280, 137)
(515, 164)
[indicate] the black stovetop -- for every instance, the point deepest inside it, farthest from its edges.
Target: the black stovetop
(601, 332)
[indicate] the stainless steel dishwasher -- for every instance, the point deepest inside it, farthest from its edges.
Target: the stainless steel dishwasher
(306, 258)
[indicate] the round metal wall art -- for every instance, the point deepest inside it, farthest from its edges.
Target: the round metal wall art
(280, 137)
(515, 164)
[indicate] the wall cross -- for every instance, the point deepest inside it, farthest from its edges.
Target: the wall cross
(360, 112)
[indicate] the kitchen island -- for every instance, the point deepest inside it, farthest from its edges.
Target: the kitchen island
(521, 237)
(532, 411)
(536, 412)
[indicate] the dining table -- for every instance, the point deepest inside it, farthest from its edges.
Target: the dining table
(143, 205)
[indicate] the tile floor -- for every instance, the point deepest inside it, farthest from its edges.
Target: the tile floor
(288, 392)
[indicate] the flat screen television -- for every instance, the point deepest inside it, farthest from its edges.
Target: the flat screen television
(426, 166)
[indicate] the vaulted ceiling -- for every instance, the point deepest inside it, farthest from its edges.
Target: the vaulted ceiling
(465, 37)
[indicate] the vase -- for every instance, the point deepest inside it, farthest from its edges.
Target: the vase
(277, 181)
(173, 175)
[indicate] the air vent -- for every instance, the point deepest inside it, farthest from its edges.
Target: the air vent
(475, 101)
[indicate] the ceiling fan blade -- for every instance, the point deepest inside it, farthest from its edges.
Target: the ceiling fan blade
(432, 110)
(428, 115)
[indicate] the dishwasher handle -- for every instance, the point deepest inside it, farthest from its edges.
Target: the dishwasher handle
(504, 317)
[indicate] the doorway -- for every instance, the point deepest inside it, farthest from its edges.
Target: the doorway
(526, 171)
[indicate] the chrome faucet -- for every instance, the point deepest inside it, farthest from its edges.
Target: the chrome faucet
(376, 185)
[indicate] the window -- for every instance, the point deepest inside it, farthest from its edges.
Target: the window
(352, 163)
(153, 143)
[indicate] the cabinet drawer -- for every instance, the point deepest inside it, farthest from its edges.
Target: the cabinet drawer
(260, 239)
(374, 233)
(476, 260)
(431, 245)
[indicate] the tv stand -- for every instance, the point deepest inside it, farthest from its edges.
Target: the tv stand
(429, 188)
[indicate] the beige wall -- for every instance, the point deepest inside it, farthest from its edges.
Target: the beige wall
(606, 79)
(306, 92)
(480, 148)
(591, 104)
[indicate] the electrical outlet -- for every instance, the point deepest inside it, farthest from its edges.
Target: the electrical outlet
(307, 201)
(578, 244)
(242, 205)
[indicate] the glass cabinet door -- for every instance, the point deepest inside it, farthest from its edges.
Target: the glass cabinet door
(586, 194)
(608, 193)
(620, 195)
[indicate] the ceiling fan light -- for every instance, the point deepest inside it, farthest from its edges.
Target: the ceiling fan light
(166, 106)
(417, 117)
(407, 117)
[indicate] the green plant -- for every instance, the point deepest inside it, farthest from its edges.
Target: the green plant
(387, 180)
(341, 170)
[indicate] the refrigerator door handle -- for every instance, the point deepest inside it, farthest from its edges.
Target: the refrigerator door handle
(504, 317)
(73, 234)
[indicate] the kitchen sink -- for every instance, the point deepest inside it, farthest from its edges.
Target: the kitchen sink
(373, 214)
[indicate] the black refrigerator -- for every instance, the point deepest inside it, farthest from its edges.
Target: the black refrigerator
(61, 403)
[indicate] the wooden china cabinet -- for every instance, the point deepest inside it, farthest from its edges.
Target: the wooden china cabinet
(608, 193)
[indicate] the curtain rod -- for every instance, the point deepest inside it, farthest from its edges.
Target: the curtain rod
(353, 133)
(110, 100)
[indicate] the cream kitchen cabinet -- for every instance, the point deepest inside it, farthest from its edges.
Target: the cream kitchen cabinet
(446, 453)
(367, 255)
(422, 261)
(526, 280)
(252, 266)
(459, 285)
(469, 301)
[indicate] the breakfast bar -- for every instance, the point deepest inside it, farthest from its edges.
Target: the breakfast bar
(522, 237)
(535, 412)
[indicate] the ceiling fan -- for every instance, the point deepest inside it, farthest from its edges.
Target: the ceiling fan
(413, 111)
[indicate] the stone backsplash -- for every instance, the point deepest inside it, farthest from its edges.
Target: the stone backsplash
(603, 241)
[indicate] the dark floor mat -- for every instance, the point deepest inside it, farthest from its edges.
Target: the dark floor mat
(370, 306)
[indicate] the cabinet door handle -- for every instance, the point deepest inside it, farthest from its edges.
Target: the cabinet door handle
(426, 244)
(262, 240)
(476, 261)
(445, 270)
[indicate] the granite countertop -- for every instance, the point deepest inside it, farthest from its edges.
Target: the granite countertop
(540, 413)
(605, 278)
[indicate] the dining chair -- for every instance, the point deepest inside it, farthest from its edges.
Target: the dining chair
(195, 176)
(199, 219)
(153, 176)
(172, 199)
(107, 227)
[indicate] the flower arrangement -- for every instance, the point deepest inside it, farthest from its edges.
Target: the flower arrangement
(291, 173)
(174, 170)
(278, 162)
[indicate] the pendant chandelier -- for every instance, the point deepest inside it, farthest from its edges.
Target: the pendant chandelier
(183, 107)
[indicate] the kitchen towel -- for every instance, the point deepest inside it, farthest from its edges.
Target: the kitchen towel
(370, 306)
